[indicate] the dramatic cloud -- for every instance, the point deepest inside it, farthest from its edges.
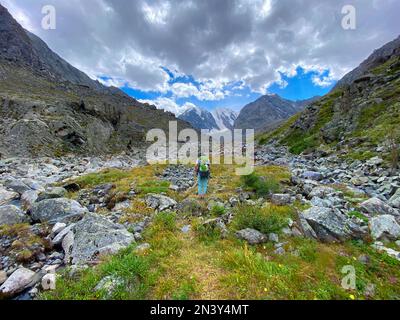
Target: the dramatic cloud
(219, 43)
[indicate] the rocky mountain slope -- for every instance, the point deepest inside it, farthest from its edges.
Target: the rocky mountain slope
(359, 119)
(268, 112)
(219, 120)
(48, 107)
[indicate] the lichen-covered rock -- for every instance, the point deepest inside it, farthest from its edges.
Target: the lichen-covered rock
(330, 225)
(52, 193)
(10, 215)
(384, 227)
(28, 199)
(252, 236)
(7, 196)
(17, 186)
(160, 202)
(394, 201)
(375, 206)
(57, 210)
(95, 236)
(281, 199)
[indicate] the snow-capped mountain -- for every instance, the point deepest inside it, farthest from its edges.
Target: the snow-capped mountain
(218, 120)
(225, 118)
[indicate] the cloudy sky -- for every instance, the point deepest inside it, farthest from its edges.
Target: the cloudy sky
(213, 53)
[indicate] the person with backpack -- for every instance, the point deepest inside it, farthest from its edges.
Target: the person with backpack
(202, 171)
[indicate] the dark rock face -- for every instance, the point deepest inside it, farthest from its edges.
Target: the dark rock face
(51, 108)
(268, 112)
(378, 57)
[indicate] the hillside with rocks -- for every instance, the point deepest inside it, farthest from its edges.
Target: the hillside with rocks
(268, 112)
(355, 121)
(53, 109)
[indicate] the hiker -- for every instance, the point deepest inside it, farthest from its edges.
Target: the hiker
(202, 171)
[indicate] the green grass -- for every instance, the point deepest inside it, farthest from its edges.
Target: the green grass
(154, 186)
(358, 215)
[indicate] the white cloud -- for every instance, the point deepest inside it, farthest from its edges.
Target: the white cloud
(216, 42)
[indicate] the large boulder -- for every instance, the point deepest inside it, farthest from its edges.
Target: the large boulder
(252, 236)
(385, 227)
(7, 196)
(375, 206)
(17, 186)
(10, 215)
(20, 280)
(160, 202)
(330, 225)
(52, 193)
(57, 210)
(394, 201)
(94, 236)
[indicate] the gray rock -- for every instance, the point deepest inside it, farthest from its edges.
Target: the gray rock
(329, 224)
(394, 201)
(7, 196)
(280, 251)
(3, 277)
(19, 280)
(312, 175)
(281, 199)
(321, 192)
(273, 237)
(57, 228)
(384, 227)
(375, 206)
(57, 240)
(252, 236)
(67, 245)
(10, 215)
(28, 199)
(52, 193)
(49, 282)
(17, 186)
(160, 202)
(57, 210)
(109, 284)
(94, 236)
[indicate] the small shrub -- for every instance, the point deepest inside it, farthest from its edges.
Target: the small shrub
(265, 220)
(261, 186)
(218, 210)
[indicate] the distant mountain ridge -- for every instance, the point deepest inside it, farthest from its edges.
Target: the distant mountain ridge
(268, 112)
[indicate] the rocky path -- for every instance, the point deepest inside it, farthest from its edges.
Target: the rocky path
(43, 231)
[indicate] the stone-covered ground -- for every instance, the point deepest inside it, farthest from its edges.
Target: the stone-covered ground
(110, 229)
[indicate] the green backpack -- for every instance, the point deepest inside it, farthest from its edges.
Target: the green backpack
(203, 168)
